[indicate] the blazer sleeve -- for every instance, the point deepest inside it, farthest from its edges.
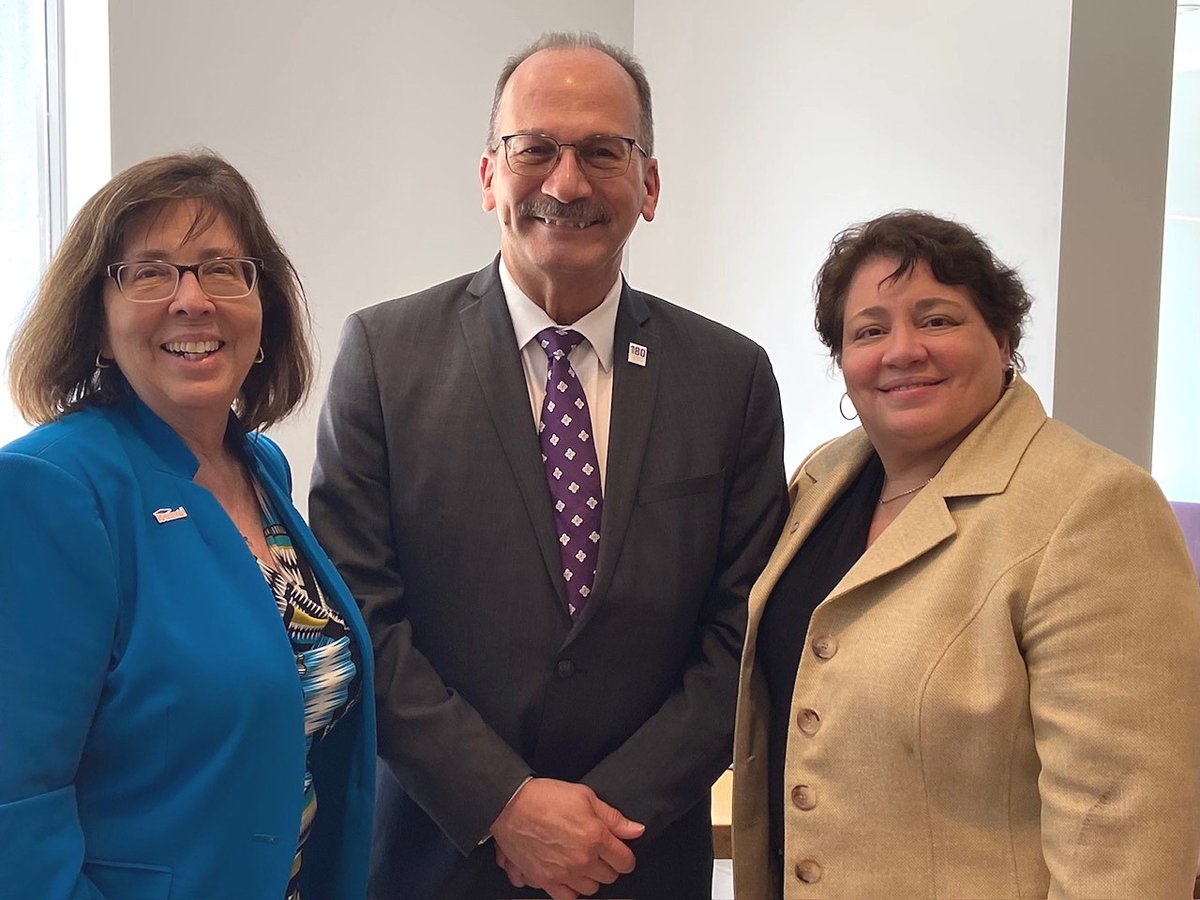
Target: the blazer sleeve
(59, 606)
(671, 762)
(1112, 645)
(442, 752)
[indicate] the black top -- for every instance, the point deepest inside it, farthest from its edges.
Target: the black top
(822, 561)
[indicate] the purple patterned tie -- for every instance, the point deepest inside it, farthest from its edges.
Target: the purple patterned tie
(572, 472)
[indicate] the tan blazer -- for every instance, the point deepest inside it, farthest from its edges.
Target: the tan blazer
(1000, 697)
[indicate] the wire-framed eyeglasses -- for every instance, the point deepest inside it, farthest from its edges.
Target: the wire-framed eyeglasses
(150, 281)
(599, 156)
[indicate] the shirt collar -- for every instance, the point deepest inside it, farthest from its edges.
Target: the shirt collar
(528, 318)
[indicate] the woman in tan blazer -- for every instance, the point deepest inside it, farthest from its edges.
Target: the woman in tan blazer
(973, 662)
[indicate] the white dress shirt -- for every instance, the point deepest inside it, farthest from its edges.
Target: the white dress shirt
(592, 360)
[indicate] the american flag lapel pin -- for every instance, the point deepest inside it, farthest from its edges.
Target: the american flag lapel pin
(164, 515)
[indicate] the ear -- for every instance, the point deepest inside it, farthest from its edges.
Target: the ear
(651, 185)
(487, 171)
(1005, 349)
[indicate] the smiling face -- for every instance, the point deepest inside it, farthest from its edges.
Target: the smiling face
(567, 228)
(185, 357)
(920, 364)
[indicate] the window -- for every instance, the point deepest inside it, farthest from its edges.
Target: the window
(24, 171)
(1176, 461)
(46, 170)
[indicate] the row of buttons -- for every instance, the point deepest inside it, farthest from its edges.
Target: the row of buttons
(804, 796)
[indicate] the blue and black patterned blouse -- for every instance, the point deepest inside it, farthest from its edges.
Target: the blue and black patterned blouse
(325, 656)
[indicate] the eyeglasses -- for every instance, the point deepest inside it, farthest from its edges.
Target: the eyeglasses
(600, 156)
(224, 278)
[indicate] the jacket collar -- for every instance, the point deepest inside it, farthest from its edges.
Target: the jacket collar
(982, 464)
(163, 444)
(985, 461)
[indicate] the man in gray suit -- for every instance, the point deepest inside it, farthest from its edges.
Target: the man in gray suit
(551, 494)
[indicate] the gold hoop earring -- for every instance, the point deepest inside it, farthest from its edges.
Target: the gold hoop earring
(259, 356)
(841, 403)
(101, 362)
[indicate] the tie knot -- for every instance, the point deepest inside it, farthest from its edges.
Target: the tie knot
(558, 342)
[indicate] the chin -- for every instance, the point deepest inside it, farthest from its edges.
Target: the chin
(201, 402)
(909, 421)
(913, 432)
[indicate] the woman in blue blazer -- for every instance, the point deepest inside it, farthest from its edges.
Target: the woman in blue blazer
(186, 689)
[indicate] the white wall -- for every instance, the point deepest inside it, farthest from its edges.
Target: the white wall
(783, 121)
(779, 123)
(360, 125)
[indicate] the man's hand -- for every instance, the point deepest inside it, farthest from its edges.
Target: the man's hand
(517, 878)
(562, 838)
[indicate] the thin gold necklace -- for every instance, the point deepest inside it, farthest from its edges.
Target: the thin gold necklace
(883, 500)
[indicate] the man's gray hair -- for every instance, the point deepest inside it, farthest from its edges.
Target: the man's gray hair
(582, 40)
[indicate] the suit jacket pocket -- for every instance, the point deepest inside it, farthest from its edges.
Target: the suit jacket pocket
(669, 490)
(129, 881)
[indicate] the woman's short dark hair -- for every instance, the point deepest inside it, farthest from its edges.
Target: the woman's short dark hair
(955, 255)
(53, 367)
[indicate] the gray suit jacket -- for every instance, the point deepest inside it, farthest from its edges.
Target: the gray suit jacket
(430, 496)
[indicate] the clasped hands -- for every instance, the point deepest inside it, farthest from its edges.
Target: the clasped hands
(562, 838)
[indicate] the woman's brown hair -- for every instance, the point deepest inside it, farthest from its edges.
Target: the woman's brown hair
(53, 361)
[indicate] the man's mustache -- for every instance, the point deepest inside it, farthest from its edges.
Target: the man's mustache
(577, 210)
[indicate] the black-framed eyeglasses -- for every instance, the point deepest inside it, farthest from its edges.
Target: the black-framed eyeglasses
(150, 281)
(600, 156)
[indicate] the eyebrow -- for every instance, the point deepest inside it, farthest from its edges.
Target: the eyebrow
(923, 305)
(546, 134)
(159, 254)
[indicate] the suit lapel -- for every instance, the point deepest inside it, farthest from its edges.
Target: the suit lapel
(982, 464)
(634, 391)
(923, 524)
(488, 330)
(926, 523)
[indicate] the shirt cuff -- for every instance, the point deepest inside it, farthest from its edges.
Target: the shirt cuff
(487, 837)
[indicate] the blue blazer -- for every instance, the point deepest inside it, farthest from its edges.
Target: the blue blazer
(151, 718)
